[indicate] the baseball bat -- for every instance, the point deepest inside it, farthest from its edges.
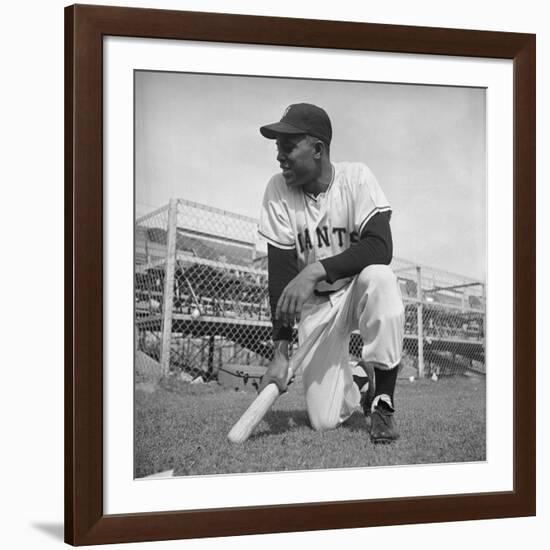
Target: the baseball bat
(254, 414)
(241, 431)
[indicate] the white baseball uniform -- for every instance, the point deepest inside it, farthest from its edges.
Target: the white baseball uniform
(320, 227)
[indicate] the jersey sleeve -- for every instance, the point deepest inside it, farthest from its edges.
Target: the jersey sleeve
(369, 198)
(274, 225)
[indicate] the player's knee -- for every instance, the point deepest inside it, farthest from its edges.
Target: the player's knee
(377, 276)
(323, 422)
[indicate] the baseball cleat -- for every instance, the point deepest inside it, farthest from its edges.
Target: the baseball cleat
(383, 428)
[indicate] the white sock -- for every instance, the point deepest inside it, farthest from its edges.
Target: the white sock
(382, 397)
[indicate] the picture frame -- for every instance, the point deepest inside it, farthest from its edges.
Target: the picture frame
(85, 28)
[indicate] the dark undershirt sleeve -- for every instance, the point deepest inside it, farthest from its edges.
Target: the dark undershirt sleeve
(282, 267)
(375, 246)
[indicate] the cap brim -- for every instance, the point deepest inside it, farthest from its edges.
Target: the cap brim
(272, 131)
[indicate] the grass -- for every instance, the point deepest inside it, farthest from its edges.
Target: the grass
(184, 427)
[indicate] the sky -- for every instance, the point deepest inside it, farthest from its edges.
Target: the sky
(197, 138)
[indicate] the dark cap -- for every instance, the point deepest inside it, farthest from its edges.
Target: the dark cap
(301, 118)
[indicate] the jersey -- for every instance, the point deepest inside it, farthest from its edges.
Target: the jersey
(324, 225)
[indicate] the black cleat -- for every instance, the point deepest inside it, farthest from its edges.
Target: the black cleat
(383, 428)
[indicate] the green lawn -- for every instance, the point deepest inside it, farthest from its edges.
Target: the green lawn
(184, 427)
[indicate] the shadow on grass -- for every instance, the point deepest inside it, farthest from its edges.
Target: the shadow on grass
(284, 422)
(356, 423)
(281, 422)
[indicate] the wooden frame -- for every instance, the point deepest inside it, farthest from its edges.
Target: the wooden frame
(85, 26)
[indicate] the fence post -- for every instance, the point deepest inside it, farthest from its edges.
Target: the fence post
(484, 308)
(168, 299)
(419, 321)
(211, 349)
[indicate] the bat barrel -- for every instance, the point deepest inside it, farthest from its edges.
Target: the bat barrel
(254, 414)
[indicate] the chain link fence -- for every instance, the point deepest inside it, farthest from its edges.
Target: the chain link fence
(201, 301)
(444, 320)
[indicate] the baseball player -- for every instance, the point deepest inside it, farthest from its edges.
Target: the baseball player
(329, 246)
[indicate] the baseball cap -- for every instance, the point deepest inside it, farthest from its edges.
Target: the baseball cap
(301, 118)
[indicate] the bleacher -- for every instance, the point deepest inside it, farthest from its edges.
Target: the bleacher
(220, 291)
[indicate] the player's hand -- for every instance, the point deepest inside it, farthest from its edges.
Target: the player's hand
(297, 292)
(277, 372)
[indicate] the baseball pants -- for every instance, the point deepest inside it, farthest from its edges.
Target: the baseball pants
(372, 303)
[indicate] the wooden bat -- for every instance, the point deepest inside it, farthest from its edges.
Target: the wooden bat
(253, 415)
